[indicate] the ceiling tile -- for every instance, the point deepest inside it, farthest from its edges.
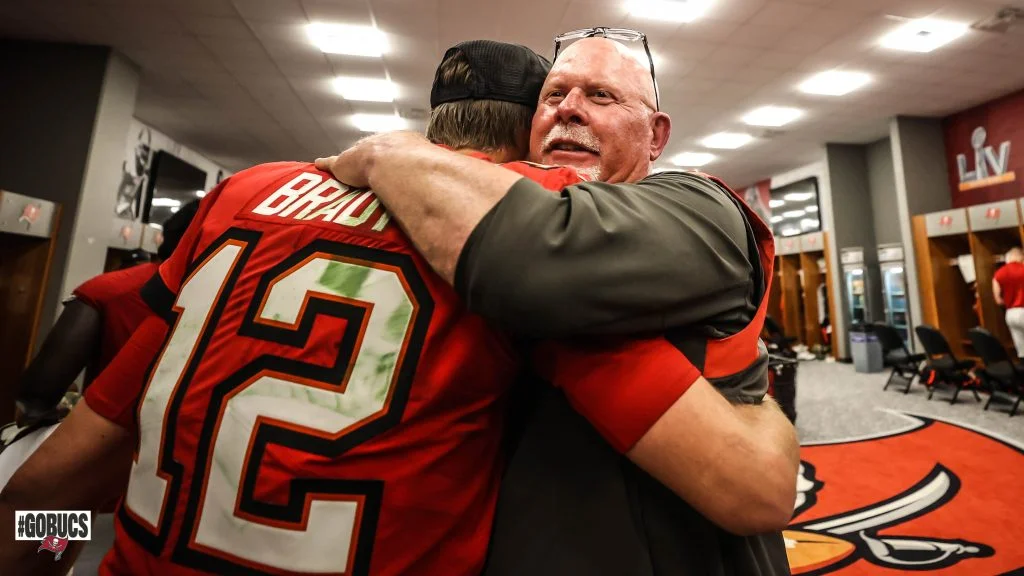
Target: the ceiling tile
(217, 27)
(286, 11)
(355, 12)
(222, 8)
(781, 13)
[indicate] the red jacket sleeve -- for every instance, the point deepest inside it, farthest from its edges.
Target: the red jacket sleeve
(621, 386)
(115, 393)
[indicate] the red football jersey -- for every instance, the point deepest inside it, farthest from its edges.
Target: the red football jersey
(322, 402)
(115, 295)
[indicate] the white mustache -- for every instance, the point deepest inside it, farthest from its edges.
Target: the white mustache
(574, 133)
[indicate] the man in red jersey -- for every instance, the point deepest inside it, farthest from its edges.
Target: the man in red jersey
(95, 323)
(1008, 291)
(675, 252)
(294, 283)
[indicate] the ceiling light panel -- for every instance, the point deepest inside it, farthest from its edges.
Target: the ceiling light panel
(347, 39)
(727, 140)
(835, 83)
(692, 159)
(379, 122)
(923, 35)
(669, 10)
(365, 89)
(772, 116)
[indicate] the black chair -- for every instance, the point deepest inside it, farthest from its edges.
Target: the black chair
(904, 365)
(944, 367)
(1003, 376)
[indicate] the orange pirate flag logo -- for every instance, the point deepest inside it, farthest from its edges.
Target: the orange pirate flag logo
(935, 497)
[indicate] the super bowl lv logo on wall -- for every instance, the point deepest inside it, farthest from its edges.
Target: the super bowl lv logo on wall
(908, 502)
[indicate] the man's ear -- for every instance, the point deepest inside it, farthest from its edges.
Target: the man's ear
(661, 128)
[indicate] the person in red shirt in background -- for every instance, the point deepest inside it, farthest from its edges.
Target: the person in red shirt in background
(1008, 291)
(95, 323)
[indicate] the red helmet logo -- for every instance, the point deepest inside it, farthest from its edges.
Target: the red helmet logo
(946, 221)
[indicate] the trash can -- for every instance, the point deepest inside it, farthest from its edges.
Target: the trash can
(866, 349)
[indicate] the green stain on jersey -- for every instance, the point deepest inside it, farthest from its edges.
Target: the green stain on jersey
(344, 279)
(398, 322)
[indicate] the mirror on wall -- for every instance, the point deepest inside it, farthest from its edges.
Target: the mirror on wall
(795, 208)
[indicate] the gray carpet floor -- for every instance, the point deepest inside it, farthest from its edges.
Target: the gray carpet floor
(833, 403)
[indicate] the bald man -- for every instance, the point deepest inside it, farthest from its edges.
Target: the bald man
(632, 252)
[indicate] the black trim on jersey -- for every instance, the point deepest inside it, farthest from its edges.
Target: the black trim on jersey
(292, 511)
(158, 296)
(154, 543)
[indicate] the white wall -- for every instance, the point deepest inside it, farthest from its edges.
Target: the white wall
(819, 170)
(87, 251)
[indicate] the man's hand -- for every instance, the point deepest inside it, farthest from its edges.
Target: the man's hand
(436, 195)
(354, 166)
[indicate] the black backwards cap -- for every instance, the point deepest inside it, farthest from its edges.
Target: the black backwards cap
(501, 71)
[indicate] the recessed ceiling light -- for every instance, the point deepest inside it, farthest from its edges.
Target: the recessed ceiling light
(790, 231)
(692, 159)
(772, 116)
(794, 214)
(365, 89)
(348, 39)
(923, 35)
(799, 196)
(166, 203)
(808, 223)
(776, 203)
(200, 193)
(835, 82)
(777, 219)
(727, 140)
(674, 10)
(379, 122)
(811, 209)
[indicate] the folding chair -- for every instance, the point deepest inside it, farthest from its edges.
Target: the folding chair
(1004, 377)
(944, 367)
(904, 364)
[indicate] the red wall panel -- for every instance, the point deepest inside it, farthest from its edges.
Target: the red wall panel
(1003, 120)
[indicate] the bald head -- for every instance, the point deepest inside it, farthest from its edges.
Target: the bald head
(621, 61)
(1015, 255)
(597, 113)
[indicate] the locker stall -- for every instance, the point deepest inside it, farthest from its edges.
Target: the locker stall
(787, 267)
(994, 229)
(125, 238)
(28, 229)
(946, 276)
(817, 287)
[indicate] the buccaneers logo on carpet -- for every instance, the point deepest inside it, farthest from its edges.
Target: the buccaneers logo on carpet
(890, 504)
